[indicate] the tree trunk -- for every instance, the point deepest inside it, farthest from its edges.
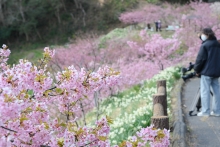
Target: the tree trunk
(160, 64)
(76, 3)
(84, 14)
(64, 6)
(96, 97)
(38, 33)
(27, 36)
(21, 11)
(57, 14)
(1, 13)
(83, 112)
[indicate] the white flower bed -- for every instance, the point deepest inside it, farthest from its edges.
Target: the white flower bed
(133, 110)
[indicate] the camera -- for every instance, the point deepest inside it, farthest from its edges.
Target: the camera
(190, 75)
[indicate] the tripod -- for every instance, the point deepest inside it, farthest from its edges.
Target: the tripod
(196, 103)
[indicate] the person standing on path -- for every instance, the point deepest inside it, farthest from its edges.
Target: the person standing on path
(159, 25)
(156, 25)
(208, 66)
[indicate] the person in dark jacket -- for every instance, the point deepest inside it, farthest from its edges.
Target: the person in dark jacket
(156, 25)
(208, 66)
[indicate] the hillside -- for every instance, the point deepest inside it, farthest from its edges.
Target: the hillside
(53, 22)
(95, 89)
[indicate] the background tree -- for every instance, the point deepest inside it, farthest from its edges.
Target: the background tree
(158, 51)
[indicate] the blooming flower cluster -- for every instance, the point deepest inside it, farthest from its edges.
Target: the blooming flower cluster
(156, 138)
(27, 92)
(4, 53)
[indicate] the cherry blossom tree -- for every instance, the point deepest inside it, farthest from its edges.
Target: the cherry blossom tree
(157, 50)
(27, 92)
(85, 53)
(150, 13)
(201, 15)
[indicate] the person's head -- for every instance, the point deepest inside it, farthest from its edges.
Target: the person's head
(207, 33)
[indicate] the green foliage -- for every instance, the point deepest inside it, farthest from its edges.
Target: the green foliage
(118, 7)
(131, 91)
(177, 74)
(150, 84)
(166, 34)
(102, 25)
(5, 32)
(183, 48)
(30, 92)
(115, 34)
(137, 87)
(153, 1)
(31, 55)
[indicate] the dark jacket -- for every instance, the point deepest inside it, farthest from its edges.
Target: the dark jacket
(208, 59)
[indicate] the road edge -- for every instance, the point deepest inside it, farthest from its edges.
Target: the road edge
(179, 128)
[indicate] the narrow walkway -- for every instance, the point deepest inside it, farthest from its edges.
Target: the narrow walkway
(203, 131)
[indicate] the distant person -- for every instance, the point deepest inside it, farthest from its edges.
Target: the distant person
(159, 25)
(152, 29)
(156, 25)
(208, 66)
(148, 26)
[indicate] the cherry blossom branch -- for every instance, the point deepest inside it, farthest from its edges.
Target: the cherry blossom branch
(8, 129)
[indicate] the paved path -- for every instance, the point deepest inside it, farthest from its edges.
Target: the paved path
(202, 131)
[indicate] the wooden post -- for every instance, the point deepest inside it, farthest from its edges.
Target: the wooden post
(158, 110)
(161, 83)
(160, 122)
(161, 90)
(161, 99)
